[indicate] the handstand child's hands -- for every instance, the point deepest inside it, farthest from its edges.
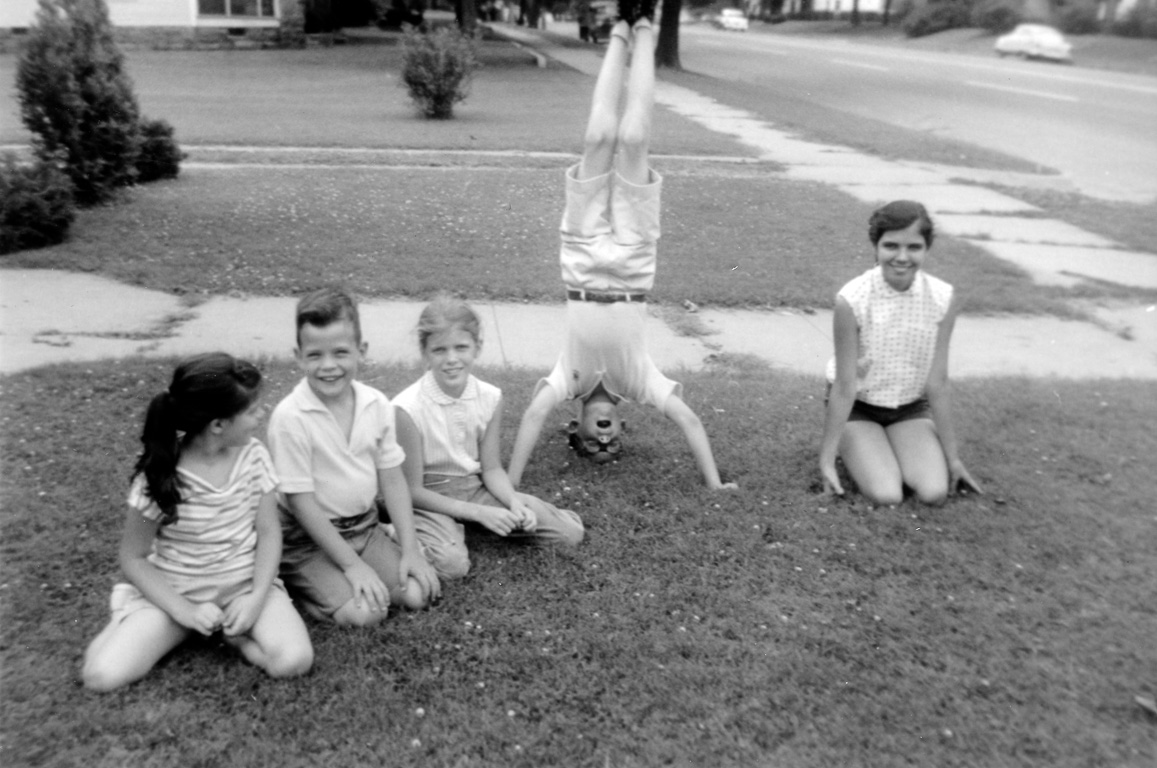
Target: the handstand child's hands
(204, 618)
(959, 480)
(369, 589)
(499, 520)
(241, 614)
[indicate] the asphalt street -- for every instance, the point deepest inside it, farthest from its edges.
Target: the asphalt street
(1095, 127)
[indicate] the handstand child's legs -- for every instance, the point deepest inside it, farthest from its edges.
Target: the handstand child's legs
(603, 123)
(634, 134)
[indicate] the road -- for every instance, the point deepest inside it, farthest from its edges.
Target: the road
(1098, 128)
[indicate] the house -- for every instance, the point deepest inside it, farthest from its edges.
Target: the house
(179, 23)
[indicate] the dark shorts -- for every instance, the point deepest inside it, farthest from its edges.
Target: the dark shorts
(886, 417)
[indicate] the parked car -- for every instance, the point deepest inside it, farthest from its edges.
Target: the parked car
(731, 19)
(1033, 41)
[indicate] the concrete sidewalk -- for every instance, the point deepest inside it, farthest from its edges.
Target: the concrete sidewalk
(52, 316)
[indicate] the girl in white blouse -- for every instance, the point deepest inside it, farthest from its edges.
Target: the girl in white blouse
(449, 424)
(889, 404)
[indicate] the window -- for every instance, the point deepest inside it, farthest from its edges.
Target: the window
(252, 8)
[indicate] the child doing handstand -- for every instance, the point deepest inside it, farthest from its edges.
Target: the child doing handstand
(889, 412)
(201, 540)
(335, 448)
(449, 424)
(609, 233)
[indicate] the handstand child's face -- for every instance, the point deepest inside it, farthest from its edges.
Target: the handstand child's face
(450, 355)
(901, 253)
(329, 356)
(599, 430)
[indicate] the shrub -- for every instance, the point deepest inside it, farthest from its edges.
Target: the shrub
(1079, 19)
(996, 16)
(936, 17)
(76, 99)
(35, 205)
(437, 68)
(1139, 22)
(160, 157)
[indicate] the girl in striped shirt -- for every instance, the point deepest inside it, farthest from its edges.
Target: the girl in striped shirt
(202, 539)
(449, 424)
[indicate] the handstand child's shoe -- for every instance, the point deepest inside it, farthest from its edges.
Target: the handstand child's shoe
(629, 11)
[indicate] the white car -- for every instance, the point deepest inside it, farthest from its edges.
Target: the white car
(732, 19)
(1033, 41)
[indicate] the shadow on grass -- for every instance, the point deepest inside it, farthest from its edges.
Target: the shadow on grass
(769, 625)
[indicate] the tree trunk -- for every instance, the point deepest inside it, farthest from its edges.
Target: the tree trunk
(855, 13)
(887, 11)
(467, 13)
(667, 46)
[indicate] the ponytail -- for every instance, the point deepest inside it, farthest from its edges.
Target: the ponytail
(204, 388)
(158, 459)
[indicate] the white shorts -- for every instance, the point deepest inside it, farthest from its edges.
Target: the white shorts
(610, 232)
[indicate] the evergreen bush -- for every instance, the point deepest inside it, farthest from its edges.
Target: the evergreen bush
(1138, 22)
(437, 69)
(996, 16)
(160, 157)
(36, 205)
(937, 17)
(1079, 19)
(76, 99)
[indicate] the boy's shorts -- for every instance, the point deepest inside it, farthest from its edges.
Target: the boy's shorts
(315, 578)
(126, 599)
(609, 233)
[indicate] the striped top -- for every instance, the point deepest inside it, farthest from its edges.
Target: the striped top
(898, 331)
(215, 532)
(451, 428)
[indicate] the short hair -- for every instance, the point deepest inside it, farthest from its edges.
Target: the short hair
(900, 214)
(328, 305)
(446, 312)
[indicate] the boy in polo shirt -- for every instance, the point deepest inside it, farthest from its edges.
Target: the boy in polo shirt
(335, 449)
(609, 234)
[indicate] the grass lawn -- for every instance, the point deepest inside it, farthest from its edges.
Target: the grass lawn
(769, 626)
(733, 236)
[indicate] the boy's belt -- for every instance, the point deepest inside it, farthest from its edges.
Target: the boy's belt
(604, 297)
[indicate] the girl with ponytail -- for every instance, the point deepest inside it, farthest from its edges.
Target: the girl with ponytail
(202, 538)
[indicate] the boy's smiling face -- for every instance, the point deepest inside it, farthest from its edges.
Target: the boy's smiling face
(329, 355)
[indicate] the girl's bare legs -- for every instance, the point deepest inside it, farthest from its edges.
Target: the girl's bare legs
(126, 650)
(921, 458)
(278, 642)
(868, 455)
(634, 136)
(603, 123)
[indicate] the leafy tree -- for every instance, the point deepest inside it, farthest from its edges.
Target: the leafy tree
(76, 99)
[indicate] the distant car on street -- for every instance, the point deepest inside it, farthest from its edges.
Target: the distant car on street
(731, 19)
(1035, 41)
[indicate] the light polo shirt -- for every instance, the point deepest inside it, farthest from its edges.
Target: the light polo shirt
(451, 427)
(312, 455)
(606, 345)
(898, 331)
